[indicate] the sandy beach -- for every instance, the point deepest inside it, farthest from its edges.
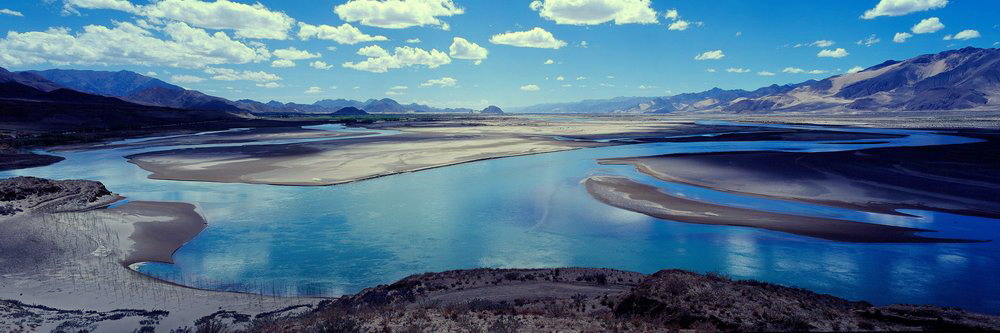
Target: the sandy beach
(627, 194)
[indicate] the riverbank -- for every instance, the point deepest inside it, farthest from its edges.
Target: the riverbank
(61, 251)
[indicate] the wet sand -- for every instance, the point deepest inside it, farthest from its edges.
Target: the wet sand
(962, 179)
(637, 197)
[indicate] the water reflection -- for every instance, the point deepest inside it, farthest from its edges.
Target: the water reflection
(531, 211)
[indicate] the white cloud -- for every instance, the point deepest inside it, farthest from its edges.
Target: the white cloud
(765, 73)
(710, 55)
(902, 7)
(530, 87)
(537, 38)
(282, 63)
(583, 44)
(672, 14)
(549, 62)
(560, 78)
(901, 37)
(269, 85)
(227, 74)
(343, 34)
(249, 21)
(463, 49)
(679, 25)
(320, 65)
(398, 14)
(580, 78)
(855, 69)
(399, 88)
(313, 90)
(795, 70)
(592, 12)
(442, 82)
(871, 40)
(567, 85)
(380, 61)
(837, 53)
(186, 79)
(964, 35)
(644, 87)
(737, 70)
(151, 74)
(413, 40)
(928, 25)
(5, 11)
(127, 43)
(822, 43)
(292, 53)
(394, 93)
(710, 70)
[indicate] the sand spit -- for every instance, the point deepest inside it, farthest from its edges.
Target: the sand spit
(637, 197)
(603, 300)
(421, 146)
(961, 179)
(77, 259)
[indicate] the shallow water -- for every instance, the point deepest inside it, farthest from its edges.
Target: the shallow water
(532, 211)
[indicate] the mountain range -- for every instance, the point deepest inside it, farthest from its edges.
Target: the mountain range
(968, 78)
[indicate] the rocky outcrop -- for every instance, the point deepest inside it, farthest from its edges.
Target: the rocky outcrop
(24, 195)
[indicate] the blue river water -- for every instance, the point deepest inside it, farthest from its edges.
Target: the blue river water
(532, 211)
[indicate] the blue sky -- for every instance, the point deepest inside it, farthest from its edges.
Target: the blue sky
(598, 48)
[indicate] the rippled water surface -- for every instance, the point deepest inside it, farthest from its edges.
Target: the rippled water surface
(532, 211)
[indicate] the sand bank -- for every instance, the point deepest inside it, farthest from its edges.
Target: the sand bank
(630, 195)
(962, 179)
(421, 146)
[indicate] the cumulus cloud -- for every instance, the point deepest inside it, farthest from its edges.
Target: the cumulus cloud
(679, 25)
(549, 62)
(398, 14)
(151, 73)
(292, 53)
(5, 11)
(442, 82)
(413, 40)
(320, 65)
(381, 61)
(902, 7)
(928, 25)
(737, 70)
(765, 73)
(227, 74)
(249, 21)
(537, 38)
(871, 40)
(672, 14)
(591, 12)
(964, 35)
(343, 34)
(837, 53)
(560, 78)
(282, 63)
(313, 90)
(530, 87)
(796, 70)
(901, 37)
(710, 55)
(710, 70)
(186, 79)
(269, 85)
(463, 49)
(127, 43)
(855, 69)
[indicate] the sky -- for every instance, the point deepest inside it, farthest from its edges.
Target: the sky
(474, 53)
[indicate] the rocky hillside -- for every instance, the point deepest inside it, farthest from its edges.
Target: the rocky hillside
(591, 300)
